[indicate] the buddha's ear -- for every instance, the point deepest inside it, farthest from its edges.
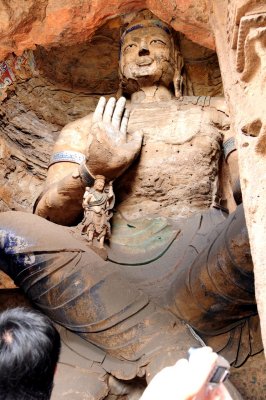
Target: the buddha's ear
(178, 81)
(178, 78)
(119, 92)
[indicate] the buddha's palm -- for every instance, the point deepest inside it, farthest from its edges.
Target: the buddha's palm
(110, 151)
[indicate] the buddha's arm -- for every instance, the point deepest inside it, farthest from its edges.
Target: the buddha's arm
(61, 200)
(231, 158)
(102, 139)
(229, 145)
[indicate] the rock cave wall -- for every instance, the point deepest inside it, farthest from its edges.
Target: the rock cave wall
(73, 43)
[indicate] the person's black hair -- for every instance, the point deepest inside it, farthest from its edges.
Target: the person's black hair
(29, 351)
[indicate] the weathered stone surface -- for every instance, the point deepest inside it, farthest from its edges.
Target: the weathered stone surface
(152, 185)
(52, 104)
(201, 70)
(240, 32)
(250, 379)
(63, 83)
(89, 67)
(26, 144)
(52, 23)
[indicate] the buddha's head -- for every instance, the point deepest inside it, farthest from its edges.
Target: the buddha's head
(149, 57)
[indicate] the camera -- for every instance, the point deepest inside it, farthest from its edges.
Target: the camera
(221, 370)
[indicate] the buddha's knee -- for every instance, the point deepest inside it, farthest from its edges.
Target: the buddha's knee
(217, 289)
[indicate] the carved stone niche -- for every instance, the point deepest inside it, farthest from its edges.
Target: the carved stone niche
(66, 86)
(249, 43)
(72, 78)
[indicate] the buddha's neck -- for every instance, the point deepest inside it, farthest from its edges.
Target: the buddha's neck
(150, 94)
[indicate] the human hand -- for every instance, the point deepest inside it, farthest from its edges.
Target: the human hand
(110, 152)
(187, 380)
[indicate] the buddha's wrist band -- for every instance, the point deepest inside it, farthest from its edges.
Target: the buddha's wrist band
(77, 158)
(228, 147)
(67, 156)
(85, 175)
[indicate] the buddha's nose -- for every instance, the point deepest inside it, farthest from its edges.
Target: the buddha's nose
(144, 48)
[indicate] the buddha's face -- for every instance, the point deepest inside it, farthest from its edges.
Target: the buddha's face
(147, 56)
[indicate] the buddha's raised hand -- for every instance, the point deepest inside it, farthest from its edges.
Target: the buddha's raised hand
(110, 151)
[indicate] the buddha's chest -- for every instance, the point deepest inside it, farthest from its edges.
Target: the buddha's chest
(176, 170)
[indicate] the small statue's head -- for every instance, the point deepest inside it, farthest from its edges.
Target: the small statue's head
(149, 57)
(99, 183)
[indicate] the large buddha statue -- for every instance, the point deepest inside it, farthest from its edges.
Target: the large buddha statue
(178, 271)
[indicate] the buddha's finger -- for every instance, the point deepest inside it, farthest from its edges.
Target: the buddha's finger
(124, 123)
(118, 112)
(109, 109)
(98, 113)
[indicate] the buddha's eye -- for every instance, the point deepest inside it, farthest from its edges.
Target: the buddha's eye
(129, 47)
(158, 41)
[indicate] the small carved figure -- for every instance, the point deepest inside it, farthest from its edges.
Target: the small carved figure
(97, 204)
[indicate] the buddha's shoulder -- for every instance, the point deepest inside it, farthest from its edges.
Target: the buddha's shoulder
(204, 102)
(196, 103)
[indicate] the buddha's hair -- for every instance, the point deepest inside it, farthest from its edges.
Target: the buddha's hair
(146, 24)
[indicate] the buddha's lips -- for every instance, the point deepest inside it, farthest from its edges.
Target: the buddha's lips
(144, 62)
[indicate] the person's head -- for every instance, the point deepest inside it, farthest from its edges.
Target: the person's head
(99, 183)
(149, 56)
(29, 351)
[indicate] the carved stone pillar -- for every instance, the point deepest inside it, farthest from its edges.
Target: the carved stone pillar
(240, 33)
